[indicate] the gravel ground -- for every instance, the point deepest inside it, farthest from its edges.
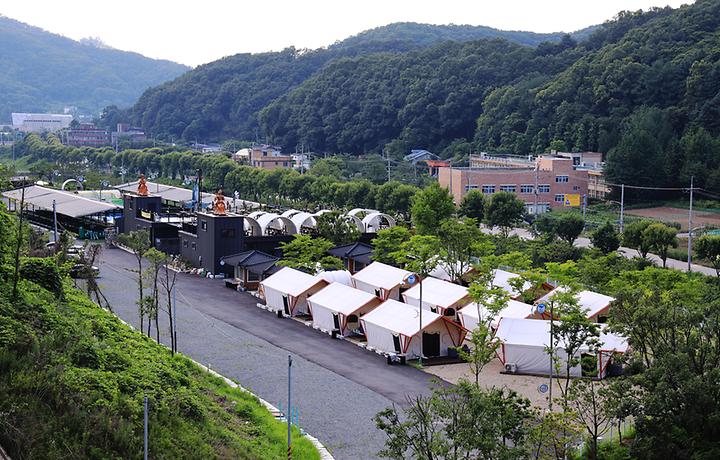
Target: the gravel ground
(336, 409)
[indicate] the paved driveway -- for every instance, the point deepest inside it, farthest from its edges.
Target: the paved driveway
(337, 386)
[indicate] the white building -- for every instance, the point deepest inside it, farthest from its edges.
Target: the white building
(339, 308)
(524, 348)
(287, 291)
(40, 122)
(394, 327)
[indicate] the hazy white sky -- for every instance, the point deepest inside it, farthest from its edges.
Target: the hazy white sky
(197, 31)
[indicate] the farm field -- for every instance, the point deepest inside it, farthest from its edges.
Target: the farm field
(668, 214)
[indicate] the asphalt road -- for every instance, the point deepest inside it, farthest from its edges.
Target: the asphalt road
(337, 387)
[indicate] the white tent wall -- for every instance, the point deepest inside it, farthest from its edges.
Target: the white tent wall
(393, 294)
(382, 339)
(535, 360)
(274, 300)
(323, 317)
(449, 336)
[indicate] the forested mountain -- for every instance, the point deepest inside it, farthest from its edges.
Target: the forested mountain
(42, 71)
(222, 99)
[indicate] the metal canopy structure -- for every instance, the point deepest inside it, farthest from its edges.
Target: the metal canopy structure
(67, 203)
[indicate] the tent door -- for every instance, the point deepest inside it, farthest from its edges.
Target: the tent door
(396, 343)
(336, 321)
(431, 344)
(286, 305)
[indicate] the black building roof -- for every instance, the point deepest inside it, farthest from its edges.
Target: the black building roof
(360, 252)
(254, 261)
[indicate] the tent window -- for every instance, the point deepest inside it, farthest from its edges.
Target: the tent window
(336, 321)
(253, 276)
(449, 312)
(352, 319)
(286, 305)
(377, 293)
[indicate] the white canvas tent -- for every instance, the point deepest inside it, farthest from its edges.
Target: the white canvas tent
(501, 279)
(382, 280)
(340, 307)
(394, 327)
(595, 305)
(288, 289)
(438, 296)
(524, 342)
(469, 317)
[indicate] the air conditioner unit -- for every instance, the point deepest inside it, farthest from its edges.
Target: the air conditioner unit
(511, 368)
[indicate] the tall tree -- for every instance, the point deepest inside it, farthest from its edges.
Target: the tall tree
(708, 247)
(335, 227)
(309, 254)
(660, 238)
(463, 243)
(473, 205)
(431, 206)
(569, 227)
(633, 237)
(505, 211)
(605, 238)
(388, 241)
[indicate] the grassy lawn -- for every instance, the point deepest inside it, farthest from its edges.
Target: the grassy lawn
(72, 381)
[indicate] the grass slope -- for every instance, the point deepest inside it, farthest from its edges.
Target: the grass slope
(72, 381)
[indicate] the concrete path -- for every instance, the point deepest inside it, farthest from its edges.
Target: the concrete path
(337, 386)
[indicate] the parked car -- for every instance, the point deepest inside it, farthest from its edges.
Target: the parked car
(80, 271)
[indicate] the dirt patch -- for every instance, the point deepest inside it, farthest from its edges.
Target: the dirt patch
(679, 215)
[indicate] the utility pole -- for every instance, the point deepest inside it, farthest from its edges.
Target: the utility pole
(145, 428)
(552, 353)
(55, 236)
(174, 317)
(537, 179)
(387, 157)
(622, 207)
(690, 229)
(287, 416)
(421, 326)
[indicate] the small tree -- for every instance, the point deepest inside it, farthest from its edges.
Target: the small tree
(589, 400)
(504, 211)
(473, 205)
(708, 247)
(387, 242)
(421, 254)
(337, 228)
(462, 242)
(157, 259)
(138, 242)
(431, 206)
(606, 238)
(309, 254)
(660, 238)
(633, 237)
(569, 226)
(167, 281)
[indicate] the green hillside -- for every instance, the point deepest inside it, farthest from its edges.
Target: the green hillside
(222, 99)
(42, 71)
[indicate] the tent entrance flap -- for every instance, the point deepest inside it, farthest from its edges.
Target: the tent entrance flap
(396, 344)
(431, 344)
(286, 305)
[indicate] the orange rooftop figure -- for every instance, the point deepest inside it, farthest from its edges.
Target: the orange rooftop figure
(219, 204)
(142, 186)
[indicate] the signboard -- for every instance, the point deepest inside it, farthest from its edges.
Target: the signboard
(572, 199)
(540, 308)
(543, 388)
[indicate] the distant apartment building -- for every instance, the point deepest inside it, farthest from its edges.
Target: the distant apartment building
(269, 157)
(40, 122)
(86, 135)
(543, 183)
(125, 132)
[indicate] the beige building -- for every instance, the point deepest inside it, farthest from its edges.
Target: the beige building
(548, 181)
(269, 157)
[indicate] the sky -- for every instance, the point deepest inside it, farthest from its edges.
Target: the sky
(194, 32)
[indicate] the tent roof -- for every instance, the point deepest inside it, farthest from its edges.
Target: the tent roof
(400, 318)
(437, 292)
(66, 203)
(382, 276)
(591, 302)
(501, 279)
(514, 309)
(291, 282)
(339, 276)
(341, 298)
(534, 332)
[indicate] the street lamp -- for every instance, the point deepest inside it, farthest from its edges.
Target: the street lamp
(411, 280)
(540, 309)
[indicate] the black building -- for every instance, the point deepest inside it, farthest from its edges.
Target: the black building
(213, 236)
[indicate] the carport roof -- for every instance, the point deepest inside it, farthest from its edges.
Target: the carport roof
(66, 203)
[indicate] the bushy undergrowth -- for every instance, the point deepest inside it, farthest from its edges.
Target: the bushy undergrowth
(72, 381)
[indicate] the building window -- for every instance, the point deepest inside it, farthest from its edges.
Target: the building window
(470, 187)
(194, 246)
(227, 233)
(559, 198)
(185, 243)
(508, 188)
(576, 188)
(525, 188)
(560, 179)
(545, 188)
(253, 276)
(203, 225)
(285, 163)
(488, 189)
